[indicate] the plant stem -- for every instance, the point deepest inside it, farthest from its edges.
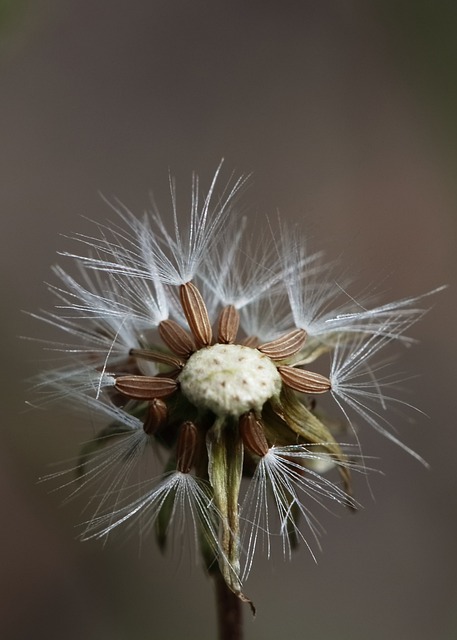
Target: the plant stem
(229, 613)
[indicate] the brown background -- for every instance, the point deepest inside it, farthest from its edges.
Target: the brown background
(345, 113)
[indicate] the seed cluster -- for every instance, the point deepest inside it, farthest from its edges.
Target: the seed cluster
(208, 401)
(217, 375)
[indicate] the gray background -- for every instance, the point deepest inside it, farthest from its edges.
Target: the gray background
(345, 114)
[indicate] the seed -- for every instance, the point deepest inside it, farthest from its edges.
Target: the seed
(229, 321)
(285, 346)
(156, 416)
(164, 358)
(145, 387)
(304, 381)
(252, 434)
(196, 314)
(187, 447)
(176, 338)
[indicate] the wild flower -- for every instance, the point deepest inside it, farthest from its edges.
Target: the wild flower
(195, 344)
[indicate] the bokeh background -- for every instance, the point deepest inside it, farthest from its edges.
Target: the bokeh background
(345, 113)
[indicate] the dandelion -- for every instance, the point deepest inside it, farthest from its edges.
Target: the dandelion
(196, 345)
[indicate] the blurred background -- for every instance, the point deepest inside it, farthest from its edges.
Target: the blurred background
(345, 114)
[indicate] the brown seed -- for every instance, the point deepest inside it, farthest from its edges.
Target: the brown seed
(163, 358)
(304, 381)
(156, 416)
(173, 373)
(229, 321)
(187, 447)
(250, 341)
(176, 338)
(252, 434)
(145, 387)
(285, 346)
(196, 314)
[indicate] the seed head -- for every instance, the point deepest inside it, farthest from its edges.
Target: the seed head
(200, 350)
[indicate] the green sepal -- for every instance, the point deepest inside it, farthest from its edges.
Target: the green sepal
(311, 430)
(225, 454)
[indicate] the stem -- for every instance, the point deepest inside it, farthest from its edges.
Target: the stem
(229, 614)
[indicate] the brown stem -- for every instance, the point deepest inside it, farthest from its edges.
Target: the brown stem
(229, 613)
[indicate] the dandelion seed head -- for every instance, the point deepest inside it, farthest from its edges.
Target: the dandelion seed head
(196, 342)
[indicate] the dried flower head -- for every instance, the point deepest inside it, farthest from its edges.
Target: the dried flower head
(196, 344)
